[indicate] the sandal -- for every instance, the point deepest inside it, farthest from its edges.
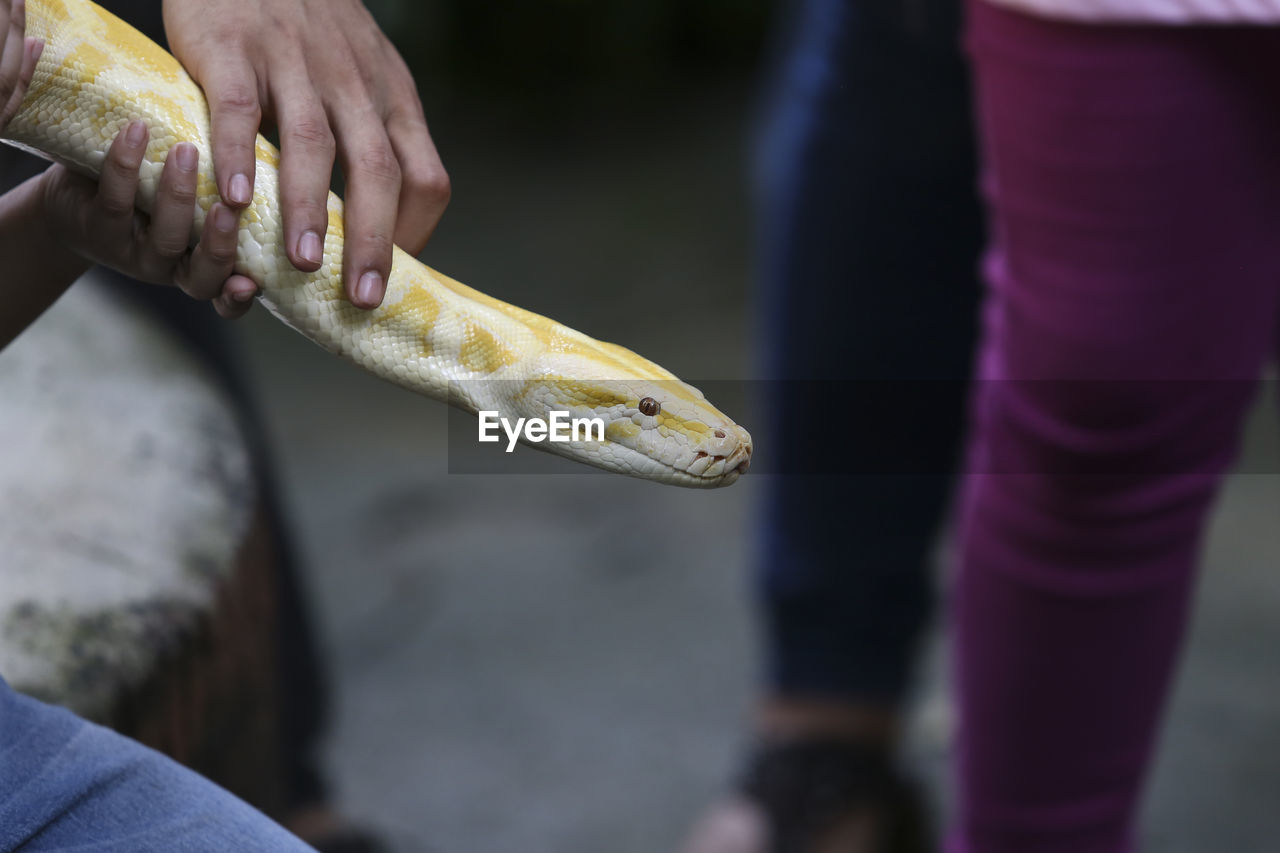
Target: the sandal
(806, 786)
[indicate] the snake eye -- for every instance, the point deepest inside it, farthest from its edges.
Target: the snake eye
(649, 406)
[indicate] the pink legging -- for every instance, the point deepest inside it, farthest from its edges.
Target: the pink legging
(1132, 175)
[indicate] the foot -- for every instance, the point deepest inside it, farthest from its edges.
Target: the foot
(739, 825)
(820, 780)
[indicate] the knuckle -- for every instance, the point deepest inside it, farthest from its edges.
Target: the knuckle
(379, 162)
(183, 194)
(222, 256)
(114, 206)
(429, 183)
(376, 244)
(170, 247)
(312, 206)
(405, 110)
(308, 211)
(312, 131)
(123, 163)
(169, 250)
(239, 99)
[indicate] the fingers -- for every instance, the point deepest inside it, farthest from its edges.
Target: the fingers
(96, 219)
(424, 186)
(306, 165)
(209, 271)
(14, 52)
(169, 234)
(32, 48)
(118, 183)
(235, 114)
(334, 85)
(100, 222)
(236, 297)
(372, 189)
(14, 29)
(212, 262)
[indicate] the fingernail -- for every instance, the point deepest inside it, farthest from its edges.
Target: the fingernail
(187, 156)
(310, 247)
(224, 218)
(239, 189)
(242, 295)
(135, 133)
(369, 289)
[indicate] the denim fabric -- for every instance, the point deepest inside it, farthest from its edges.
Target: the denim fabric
(68, 784)
(869, 232)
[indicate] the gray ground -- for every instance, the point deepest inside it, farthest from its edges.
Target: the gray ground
(564, 663)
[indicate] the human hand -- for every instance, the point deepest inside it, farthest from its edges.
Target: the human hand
(332, 82)
(18, 60)
(99, 221)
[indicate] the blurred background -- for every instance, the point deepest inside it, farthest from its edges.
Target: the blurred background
(565, 662)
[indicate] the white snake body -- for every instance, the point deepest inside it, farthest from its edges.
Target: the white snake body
(431, 334)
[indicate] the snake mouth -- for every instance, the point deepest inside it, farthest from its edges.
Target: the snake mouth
(721, 469)
(739, 461)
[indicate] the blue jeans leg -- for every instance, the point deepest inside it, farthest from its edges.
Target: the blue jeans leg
(869, 233)
(69, 784)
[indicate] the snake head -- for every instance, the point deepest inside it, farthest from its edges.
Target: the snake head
(646, 423)
(657, 429)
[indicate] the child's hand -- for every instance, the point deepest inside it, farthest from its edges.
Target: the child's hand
(99, 222)
(18, 60)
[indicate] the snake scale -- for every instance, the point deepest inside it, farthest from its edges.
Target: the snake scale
(431, 334)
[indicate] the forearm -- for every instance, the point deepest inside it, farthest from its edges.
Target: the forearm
(37, 269)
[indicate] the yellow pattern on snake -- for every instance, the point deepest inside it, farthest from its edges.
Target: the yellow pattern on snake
(431, 334)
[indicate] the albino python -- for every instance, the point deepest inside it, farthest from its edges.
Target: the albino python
(431, 334)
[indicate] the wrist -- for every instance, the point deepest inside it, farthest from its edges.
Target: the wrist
(39, 268)
(53, 229)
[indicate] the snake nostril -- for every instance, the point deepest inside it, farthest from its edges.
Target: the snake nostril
(719, 433)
